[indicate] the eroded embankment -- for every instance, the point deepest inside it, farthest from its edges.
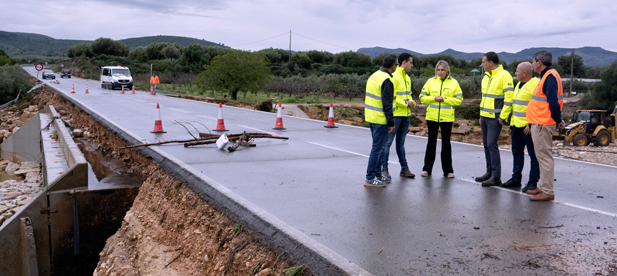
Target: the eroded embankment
(169, 230)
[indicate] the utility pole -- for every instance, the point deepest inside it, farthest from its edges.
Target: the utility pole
(571, 71)
(289, 45)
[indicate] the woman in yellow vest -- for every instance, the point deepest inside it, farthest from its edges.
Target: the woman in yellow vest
(441, 93)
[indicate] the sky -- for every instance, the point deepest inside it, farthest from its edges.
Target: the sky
(334, 26)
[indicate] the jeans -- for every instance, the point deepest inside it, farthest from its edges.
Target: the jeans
(154, 88)
(519, 141)
(379, 133)
(402, 127)
(446, 148)
(490, 136)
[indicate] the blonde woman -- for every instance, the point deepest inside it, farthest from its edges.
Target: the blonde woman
(441, 93)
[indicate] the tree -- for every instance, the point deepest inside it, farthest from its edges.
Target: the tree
(4, 58)
(322, 57)
(302, 60)
(236, 71)
(12, 80)
(353, 59)
(138, 55)
(604, 94)
(193, 58)
(579, 68)
(171, 52)
(110, 47)
(80, 49)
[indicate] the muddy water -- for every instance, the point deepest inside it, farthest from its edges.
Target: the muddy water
(5, 176)
(103, 172)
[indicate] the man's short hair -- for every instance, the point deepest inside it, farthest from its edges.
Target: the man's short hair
(526, 67)
(492, 56)
(389, 61)
(403, 57)
(545, 57)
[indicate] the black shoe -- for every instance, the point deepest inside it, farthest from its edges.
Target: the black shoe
(530, 186)
(511, 184)
(483, 178)
(493, 181)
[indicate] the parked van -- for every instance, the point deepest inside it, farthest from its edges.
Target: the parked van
(116, 76)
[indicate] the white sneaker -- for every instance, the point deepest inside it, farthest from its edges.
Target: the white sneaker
(450, 175)
(424, 174)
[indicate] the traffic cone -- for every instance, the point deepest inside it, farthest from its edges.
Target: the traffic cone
(133, 89)
(122, 90)
(73, 90)
(330, 118)
(220, 124)
(86, 89)
(151, 91)
(279, 119)
(158, 125)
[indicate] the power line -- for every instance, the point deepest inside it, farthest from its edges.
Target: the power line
(260, 40)
(323, 42)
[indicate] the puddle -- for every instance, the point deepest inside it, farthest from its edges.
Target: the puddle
(103, 172)
(5, 176)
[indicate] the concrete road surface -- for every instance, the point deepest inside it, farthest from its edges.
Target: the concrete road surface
(422, 226)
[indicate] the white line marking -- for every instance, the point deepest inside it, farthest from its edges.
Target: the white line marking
(554, 201)
(258, 130)
(179, 110)
(141, 101)
(351, 152)
(207, 117)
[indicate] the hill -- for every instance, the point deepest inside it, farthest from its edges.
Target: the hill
(592, 56)
(29, 44)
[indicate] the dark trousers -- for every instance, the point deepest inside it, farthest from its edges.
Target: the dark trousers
(379, 133)
(519, 141)
(490, 136)
(402, 127)
(446, 148)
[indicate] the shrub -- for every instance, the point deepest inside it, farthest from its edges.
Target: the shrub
(414, 121)
(13, 79)
(468, 111)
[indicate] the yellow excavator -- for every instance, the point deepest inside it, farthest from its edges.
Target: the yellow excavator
(597, 126)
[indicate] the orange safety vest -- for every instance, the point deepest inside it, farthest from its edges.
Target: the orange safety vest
(154, 80)
(538, 112)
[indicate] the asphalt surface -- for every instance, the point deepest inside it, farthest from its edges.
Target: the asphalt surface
(422, 226)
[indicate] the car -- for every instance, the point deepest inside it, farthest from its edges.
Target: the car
(48, 74)
(65, 73)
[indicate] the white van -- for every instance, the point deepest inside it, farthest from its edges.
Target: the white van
(116, 76)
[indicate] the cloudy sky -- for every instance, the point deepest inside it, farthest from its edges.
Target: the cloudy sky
(334, 26)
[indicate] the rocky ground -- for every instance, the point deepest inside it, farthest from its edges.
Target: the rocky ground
(17, 192)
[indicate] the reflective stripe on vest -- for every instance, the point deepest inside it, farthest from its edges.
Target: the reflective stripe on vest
(495, 85)
(538, 110)
(519, 114)
(522, 95)
(490, 110)
(373, 106)
(402, 93)
(519, 102)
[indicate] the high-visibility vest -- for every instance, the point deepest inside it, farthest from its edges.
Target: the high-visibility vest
(402, 93)
(452, 94)
(538, 111)
(373, 106)
(154, 80)
(520, 100)
(497, 91)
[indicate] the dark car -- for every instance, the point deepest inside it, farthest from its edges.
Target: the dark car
(65, 73)
(48, 74)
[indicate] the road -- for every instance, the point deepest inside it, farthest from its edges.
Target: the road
(422, 226)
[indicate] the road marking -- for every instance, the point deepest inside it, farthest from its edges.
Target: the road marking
(351, 152)
(178, 110)
(554, 201)
(140, 101)
(272, 133)
(207, 117)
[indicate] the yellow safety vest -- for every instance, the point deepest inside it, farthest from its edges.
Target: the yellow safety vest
(452, 94)
(373, 107)
(496, 92)
(520, 100)
(402, 93)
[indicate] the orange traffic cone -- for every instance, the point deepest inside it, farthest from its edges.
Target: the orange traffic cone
(331, 118)
(279, 119)
(86, 89)
(220, 124)
(158, 125)
(73, 90)
(151, 91)
(122, 90)
(133, 89)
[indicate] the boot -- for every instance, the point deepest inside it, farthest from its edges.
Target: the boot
(406, 173)
(493, 181)
(511, 184)
(483, 178)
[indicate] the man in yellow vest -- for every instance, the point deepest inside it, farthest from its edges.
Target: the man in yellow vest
(496, 93)
(378, 113)
(544, 115)
(520, 131)
(402, 110)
